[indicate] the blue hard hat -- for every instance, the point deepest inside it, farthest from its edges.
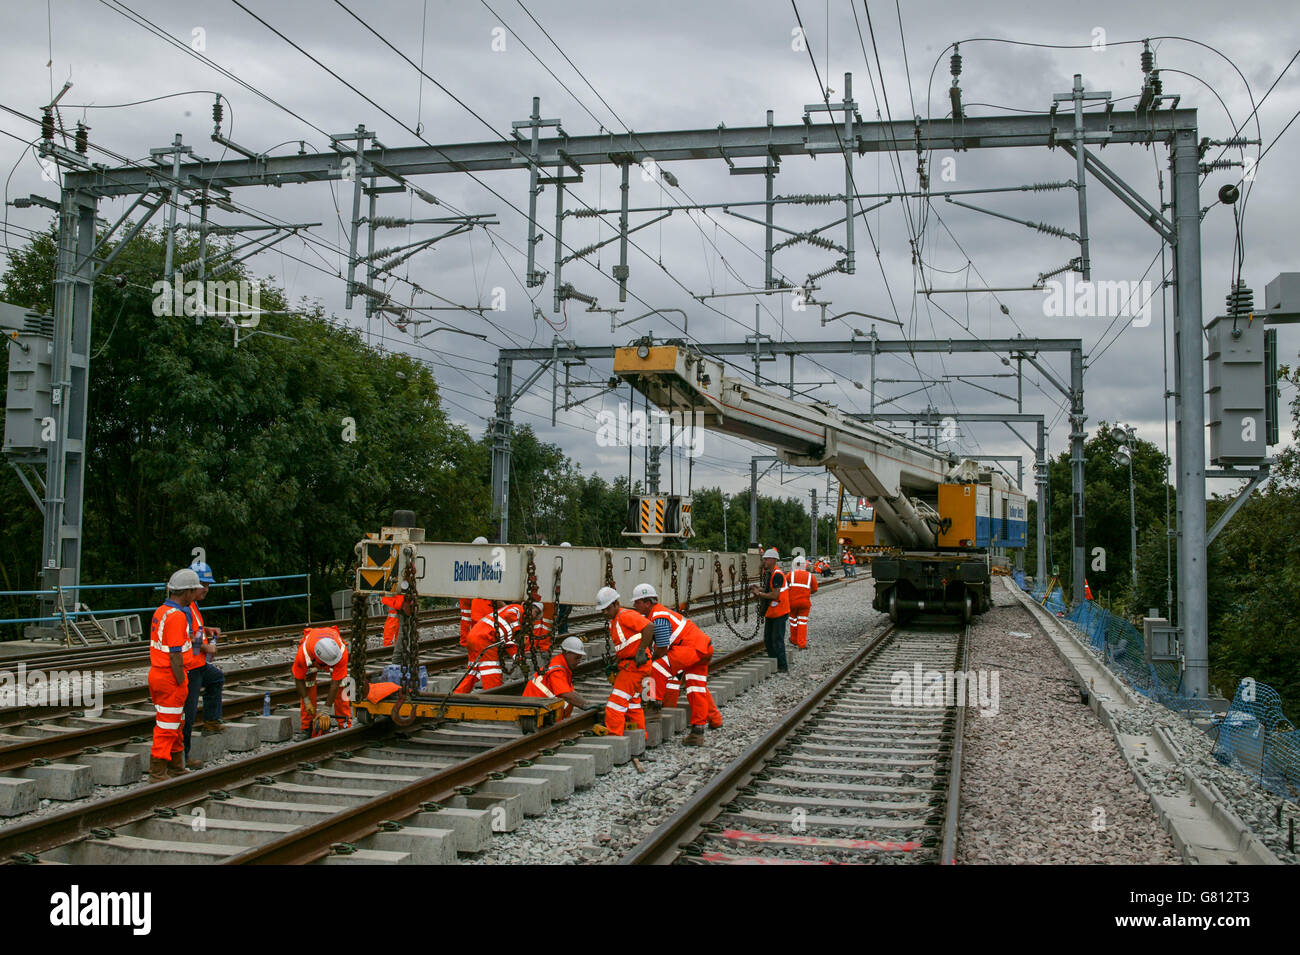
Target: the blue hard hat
(204, 572)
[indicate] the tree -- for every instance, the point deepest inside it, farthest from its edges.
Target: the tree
(1106, 511)
(275, 457)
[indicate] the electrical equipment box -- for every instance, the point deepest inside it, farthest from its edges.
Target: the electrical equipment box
(1282, 299)
(1235, 375)
(1162, 645)
(27, 395)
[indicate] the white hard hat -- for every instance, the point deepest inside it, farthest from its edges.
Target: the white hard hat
(644, 592)
(328, 652)
(771, 552)
(606, 596)
(183, 579)
(574, 645)
(539, 605)
(565, 544)
(479, 540)
(799, 563)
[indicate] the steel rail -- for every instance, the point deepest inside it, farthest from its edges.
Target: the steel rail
(312, 842)
(948, 848)
(662, 846)
(46, 832)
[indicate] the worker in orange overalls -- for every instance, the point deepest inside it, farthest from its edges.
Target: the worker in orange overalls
(778, 608)
(850, 564)
(393, 622)
(321, 648)
(631, 635)
(803, 584)
(472, 610)
(170, 642)
(484, 644)
(543, 626)
(557, 679)
(688, 652)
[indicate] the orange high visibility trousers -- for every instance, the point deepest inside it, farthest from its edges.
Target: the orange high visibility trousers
(342, 709)
(169, 712)
(624, 703)
(799, 623)
(693, 663)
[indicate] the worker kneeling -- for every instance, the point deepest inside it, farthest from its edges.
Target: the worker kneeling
(557, 679)
(486, 639)
(322, 648)
(631, 635)
(689, 651)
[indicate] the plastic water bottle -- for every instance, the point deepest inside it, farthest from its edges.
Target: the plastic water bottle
(266, 704)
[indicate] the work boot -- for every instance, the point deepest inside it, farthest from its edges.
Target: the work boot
(194, 763)
(157, 769)
(213, 727)
(176, 766)
(695, 737)
(654, 711)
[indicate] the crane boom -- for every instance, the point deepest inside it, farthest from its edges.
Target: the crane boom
(899, 477)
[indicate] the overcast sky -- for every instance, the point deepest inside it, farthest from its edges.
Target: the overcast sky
(679, 65)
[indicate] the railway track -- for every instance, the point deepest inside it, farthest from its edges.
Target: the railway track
(848, 776)
(415, 796)
(69, 753)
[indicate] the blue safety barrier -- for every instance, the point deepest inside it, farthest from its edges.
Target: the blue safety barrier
(238, 582)
(1256, 738)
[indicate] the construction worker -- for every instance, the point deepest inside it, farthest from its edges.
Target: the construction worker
(170, 639)
(850, 564)
(543, 626)
(484, 644)
(632, 634)
(393, 622)
(688, 651)
(803, 584)
(557, 679)
(778, 608)
(321, 648)
(202, 677)
(474, 609)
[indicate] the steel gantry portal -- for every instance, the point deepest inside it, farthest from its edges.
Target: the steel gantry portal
(536, 156)
(1027, 349)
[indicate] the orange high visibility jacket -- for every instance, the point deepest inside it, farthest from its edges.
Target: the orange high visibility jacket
(557, 678)
(802, 586)
(392, 623)
(625, 633)
(685, 631)
(780, 607)
(306, 659)
(169, 633)
(196, 657)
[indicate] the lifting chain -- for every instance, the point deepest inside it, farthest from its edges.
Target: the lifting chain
(608, 658)
(357, 643)
(410, 657)
(677, 597)
(555, 601)
(720, 610)
(690, 579)
(532, 593)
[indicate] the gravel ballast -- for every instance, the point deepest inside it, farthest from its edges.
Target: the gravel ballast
(598, 825)
(1043, 780)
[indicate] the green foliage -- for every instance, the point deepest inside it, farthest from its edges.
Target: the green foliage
(1106, 512)
(246, 452)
